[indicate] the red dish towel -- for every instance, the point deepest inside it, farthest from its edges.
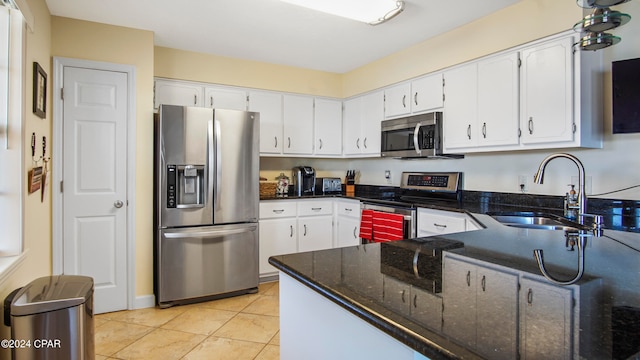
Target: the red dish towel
(387, 227)
(366, 222)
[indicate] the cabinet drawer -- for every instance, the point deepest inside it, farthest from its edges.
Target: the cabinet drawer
(315, 207)
(439, 222)
(277, 209)
(348, 208)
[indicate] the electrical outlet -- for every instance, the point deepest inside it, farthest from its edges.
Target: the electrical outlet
(523, 183)
(387, 175)
(587, 184)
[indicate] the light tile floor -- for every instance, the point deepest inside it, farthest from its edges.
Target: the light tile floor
(241, 327)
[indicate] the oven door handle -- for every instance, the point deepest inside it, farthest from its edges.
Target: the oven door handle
(415, 139)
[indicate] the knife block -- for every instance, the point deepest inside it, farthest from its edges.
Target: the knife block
(350, 190)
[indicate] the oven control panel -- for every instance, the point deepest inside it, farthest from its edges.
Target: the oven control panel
(437, 182)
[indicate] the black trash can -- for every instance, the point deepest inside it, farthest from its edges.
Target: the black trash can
(52, 318)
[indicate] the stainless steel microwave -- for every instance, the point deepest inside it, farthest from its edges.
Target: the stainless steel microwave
(418, 136)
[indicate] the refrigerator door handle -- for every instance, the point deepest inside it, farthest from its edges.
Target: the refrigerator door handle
(208, 233)
(218, 164)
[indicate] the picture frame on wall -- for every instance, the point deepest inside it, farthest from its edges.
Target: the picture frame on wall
(39, 91)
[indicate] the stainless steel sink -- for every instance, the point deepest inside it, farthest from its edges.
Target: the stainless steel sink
(536, 221)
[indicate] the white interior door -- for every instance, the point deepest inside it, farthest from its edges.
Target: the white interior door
(95, 182)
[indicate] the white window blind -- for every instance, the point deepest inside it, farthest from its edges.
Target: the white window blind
(11, 133)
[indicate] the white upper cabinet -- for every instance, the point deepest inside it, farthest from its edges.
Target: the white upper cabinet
(269, 105)
(397, 100)
(414, 97)
(547, 93)
(541, 95)
(351, 126)
(498, 100)
(172, 92)
(225, 98)
(361, 124)
(328, 127)
(460, 116)
(298, 124)
(426, 93)
(373, 114)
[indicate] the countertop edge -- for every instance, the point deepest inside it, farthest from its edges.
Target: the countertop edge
(404, 335)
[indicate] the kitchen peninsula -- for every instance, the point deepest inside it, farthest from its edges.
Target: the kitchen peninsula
(356, 302)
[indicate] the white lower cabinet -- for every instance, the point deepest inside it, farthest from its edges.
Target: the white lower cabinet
(503, 313)
(314, 233)
(480, 308)
(291, 226)
(546, 317)
(347, 223)
(438, 222)
(278, 229)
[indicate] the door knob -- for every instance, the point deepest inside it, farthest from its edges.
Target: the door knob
(118, 204)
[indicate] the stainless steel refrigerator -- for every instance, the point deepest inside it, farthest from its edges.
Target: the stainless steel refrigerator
(206, 204)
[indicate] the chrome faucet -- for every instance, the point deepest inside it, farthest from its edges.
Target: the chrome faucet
(538, 178)
(582, 208)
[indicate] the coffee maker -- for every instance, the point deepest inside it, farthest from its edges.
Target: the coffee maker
(303, 180)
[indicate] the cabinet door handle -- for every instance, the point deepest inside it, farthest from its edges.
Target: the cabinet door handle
(290, 230)
(404, 102)
(415, 98)
(365, 143)
(469, 278)
(358, 143)
(469, 131)
(484, 130)
(530, 125)
(530, 297)
(403, 295)
(483, 283)
(211, 101)
(320, 140)
(415, 300)
(289, 144)
(355, 228)
(195, 99)
(305, 230)
(275, 138)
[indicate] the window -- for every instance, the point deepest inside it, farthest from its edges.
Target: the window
(11, 137)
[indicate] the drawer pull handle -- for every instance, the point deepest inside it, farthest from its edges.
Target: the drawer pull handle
(278, 211)
(440, 225)
(347, 209)
(316, 209)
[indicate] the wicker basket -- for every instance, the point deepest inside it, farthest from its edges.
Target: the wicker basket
(268, 188)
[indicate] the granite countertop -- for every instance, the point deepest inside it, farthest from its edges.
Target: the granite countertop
(354, 277)
(621, 215)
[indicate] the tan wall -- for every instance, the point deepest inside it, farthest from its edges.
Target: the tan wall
(92, 41)
(37, 213)
(186, 65)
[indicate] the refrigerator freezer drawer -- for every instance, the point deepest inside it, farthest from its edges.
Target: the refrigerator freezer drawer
(206, 261)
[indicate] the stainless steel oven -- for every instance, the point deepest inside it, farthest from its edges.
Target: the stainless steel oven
(408, 213)
(418, 136)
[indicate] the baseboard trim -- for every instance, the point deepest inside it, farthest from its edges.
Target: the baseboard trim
(144, 301)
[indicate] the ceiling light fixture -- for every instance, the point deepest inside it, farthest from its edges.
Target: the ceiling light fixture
(601, 19)
(372, 12)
